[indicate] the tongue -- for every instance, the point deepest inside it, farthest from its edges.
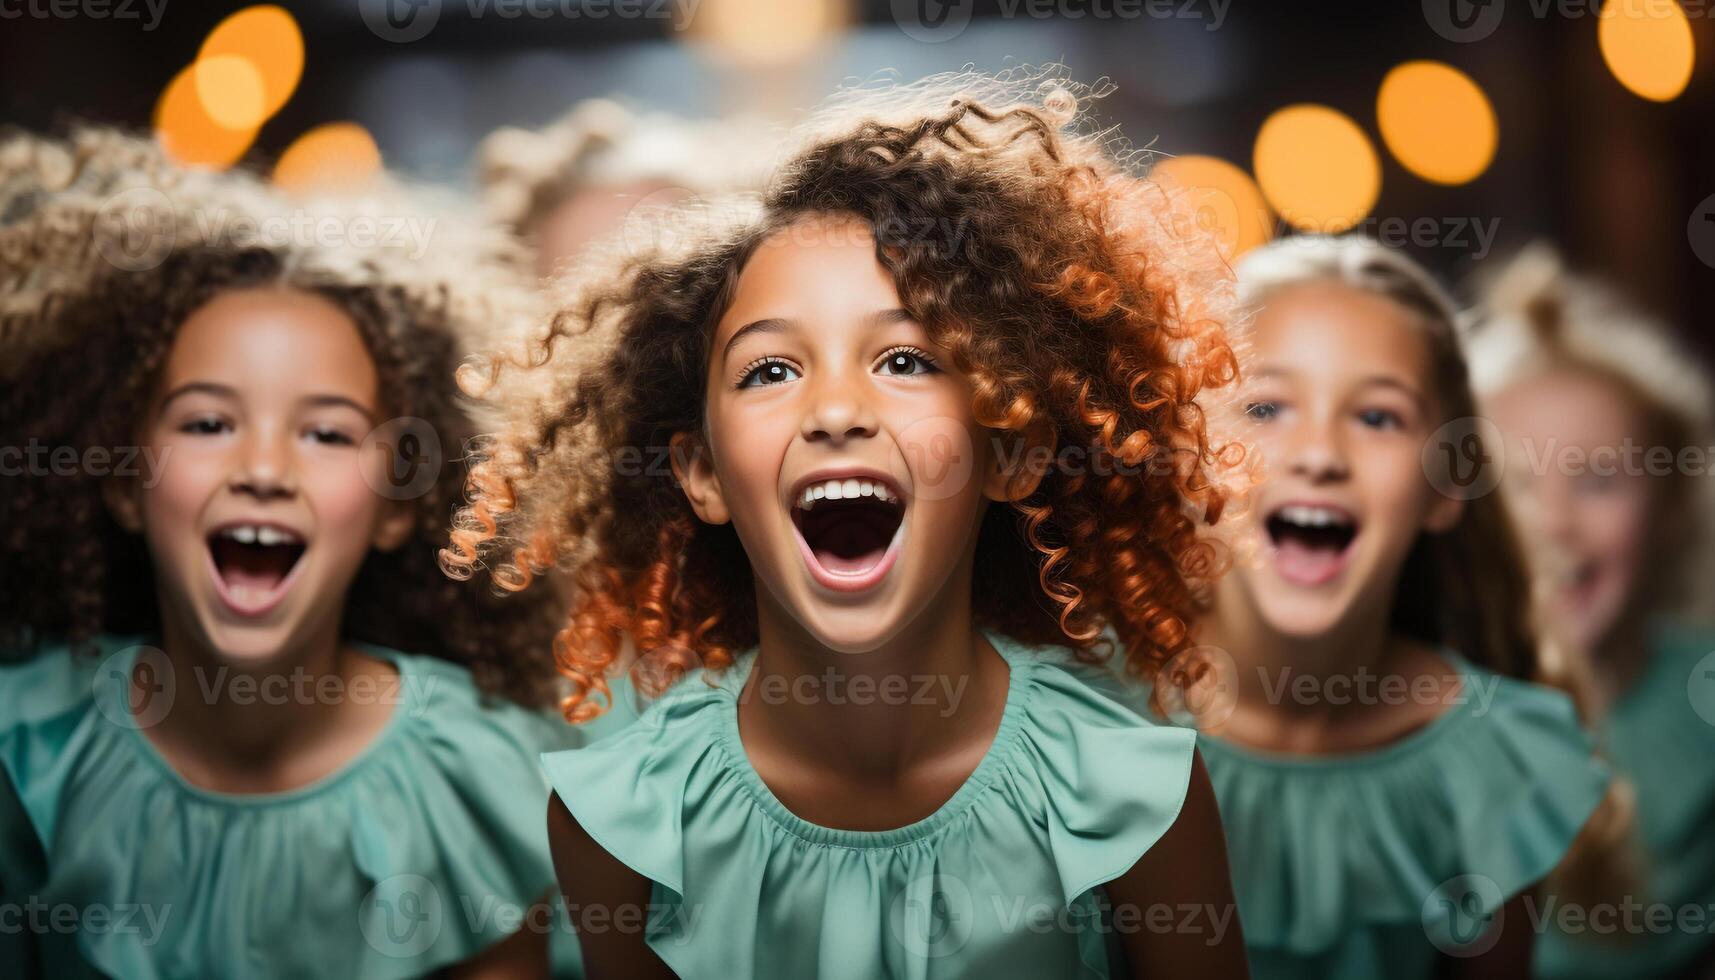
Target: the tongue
(848, 549)
(253, 569)
(1302, 561)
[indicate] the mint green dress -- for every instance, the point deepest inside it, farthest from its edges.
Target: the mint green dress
(1004, 880)
(1661, 735)
(408, 859)
(1370, 864)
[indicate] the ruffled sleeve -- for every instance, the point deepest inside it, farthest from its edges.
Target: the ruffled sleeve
(1073, 791)
(1112, 783)
(419, 853)
(628, 792)
(1331, 852)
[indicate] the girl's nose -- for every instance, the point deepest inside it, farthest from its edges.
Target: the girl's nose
(264, 468)
(1318, 454)
(838, 410)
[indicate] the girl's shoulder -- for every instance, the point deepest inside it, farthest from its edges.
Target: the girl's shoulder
(1074, 788)
(1661, 733)
(441, 812)
(1493, 790)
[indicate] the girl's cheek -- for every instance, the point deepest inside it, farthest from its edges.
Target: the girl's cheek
(345, 505)
(1616, 523)
(1395, 489)
(188, 479)
(939, 453)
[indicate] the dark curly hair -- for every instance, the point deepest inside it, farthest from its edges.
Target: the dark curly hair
(1061, 283)
(89, 317)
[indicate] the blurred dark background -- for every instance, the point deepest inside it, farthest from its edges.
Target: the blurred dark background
(1619, 182)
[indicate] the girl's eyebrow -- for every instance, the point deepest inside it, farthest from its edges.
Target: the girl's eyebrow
(1389, 381)
(340, 401)
(769, 325)
(208, 387)
(880, 318)
(227, 391)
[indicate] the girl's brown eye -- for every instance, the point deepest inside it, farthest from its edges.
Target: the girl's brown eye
(206, 425)
(905, 363)
(770, 372)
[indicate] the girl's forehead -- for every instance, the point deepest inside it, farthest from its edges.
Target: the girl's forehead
(816, 269)
(1334, 328)
(264, 338)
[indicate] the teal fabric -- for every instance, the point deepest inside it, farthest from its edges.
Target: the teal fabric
(1656, 738)
(1344, 865)
(1004, 880)
(401, 862)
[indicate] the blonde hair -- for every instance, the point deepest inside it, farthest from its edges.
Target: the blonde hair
(525, 174)
(1535, 318)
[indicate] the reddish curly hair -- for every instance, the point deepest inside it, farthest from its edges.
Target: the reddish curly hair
(1071, 298)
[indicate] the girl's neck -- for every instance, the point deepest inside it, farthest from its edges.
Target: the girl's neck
(933, 690)
(271, 725)
(1314, 693)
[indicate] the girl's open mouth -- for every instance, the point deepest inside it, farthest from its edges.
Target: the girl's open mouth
(849, 530)
(254, 564)
(1311, 542)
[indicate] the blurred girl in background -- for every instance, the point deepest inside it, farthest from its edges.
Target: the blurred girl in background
(243, 702)
(1391, 781)
(1609, 449)
(577, 180)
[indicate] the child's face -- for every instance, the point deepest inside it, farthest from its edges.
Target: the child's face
(1585, 514)
(1341, 396)
(837, 432)
(262, 513)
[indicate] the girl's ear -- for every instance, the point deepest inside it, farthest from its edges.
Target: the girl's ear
(119, 493)
(1445, 513)
(394, 528)
(694, 468)
(1019, 464)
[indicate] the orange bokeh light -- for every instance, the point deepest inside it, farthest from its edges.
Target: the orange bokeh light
(1437, 122)
(330, 157)
(1317, 168)
(189, 135)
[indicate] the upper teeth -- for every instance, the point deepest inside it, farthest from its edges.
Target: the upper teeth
(1305, 516)
(844, 490)
(259, 534)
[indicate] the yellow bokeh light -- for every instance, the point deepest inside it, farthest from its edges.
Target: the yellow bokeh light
(1317, 168)
(187, 133)
(330, 157)
(269, 39)
(768, 32)
(1223, 199)
(1648, 46)
(1437, 122)
(231, 91)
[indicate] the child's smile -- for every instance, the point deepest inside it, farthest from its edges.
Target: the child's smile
(850, 523)
(1312, 540)
(254, 563)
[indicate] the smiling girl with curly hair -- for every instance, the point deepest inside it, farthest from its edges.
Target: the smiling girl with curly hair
(217, 546)
(869, 483)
